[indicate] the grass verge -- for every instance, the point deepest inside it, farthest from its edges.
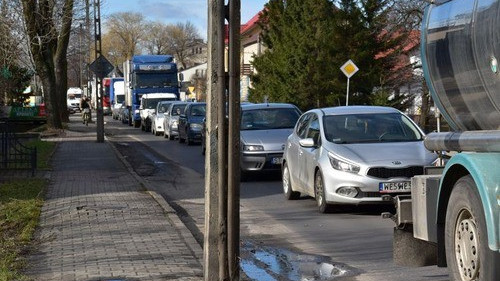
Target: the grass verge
(20, 207)
(44, 152)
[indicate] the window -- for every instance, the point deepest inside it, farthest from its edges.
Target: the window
(313, 131)
(302, 125)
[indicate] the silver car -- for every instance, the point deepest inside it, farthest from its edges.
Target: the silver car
(171, 120)
(353, 155)
(263, 133)
(158, 117)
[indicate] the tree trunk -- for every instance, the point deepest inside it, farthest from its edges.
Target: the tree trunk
(45, 71)
(424, 111)
(61, 74)
(49, 49)
(60, 59)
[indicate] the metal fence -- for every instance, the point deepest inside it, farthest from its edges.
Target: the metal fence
(13, 154)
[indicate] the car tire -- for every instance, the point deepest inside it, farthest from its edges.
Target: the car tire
(287, 185)
(470, 258)
(319, 193)
(244, 176)
(189, 141)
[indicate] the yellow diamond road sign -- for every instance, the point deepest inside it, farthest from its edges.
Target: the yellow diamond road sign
(349, 68)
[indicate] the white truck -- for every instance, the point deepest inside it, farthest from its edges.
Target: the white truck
(148, 107)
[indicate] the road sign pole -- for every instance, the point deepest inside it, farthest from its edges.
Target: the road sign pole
(347, 96)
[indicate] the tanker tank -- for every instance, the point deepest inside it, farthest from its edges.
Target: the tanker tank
(460, 49)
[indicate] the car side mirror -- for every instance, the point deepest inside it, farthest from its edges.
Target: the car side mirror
(308, 143)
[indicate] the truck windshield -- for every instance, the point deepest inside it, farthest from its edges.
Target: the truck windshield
(120, 98)
(370, 128)
(152, 103)
(155, 80)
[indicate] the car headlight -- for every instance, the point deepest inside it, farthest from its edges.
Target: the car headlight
(253, 148)
(137, 111)
(195, 126)
(342, 165)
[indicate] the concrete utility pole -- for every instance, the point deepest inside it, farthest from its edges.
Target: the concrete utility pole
(98, 79)
(222, 169)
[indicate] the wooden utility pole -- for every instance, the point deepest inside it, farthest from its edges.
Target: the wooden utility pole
(234, 141)
(222, 169)
(98, 53)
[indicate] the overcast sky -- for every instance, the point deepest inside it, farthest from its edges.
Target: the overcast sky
(175, 11)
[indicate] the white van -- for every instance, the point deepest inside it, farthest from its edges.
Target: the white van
(73, 97)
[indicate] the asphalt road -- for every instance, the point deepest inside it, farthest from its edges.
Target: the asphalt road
(354, 239)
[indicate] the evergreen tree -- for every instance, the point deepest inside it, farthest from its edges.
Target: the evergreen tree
(372, 42)
(309, 40)
(298, 66)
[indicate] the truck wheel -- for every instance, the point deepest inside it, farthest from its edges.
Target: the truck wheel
(467, 253)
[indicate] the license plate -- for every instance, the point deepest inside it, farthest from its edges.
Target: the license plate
(276, 160)
(391, 187)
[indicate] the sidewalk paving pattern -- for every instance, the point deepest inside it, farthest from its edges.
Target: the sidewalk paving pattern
(98, 223)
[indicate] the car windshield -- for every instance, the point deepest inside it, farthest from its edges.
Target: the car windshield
(162, 107)
(268, 118)
(370, 128)
(198, 110)
(152, 103)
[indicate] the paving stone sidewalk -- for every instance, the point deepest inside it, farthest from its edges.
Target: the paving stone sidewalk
(99, 223)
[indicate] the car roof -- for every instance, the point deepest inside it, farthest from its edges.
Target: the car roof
(250, 106)
(357, 109)
(196, 103)
(166, 101)
(178, 102)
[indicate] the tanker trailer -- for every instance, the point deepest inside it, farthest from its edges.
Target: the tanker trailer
(452, 216)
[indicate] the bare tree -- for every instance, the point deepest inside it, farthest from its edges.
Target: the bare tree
(182, 38)
(157, 39)
(125, 32)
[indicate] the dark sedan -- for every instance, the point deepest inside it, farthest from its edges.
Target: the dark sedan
(190, 122)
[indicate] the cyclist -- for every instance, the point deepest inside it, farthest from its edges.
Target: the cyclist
(85, 108)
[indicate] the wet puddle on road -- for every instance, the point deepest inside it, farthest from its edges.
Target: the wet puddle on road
(264, 263)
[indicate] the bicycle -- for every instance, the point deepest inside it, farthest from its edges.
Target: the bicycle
(86, 116)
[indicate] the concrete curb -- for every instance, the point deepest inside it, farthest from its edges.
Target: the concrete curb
(170, 213)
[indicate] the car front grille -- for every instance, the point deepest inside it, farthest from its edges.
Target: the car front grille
(386, 173)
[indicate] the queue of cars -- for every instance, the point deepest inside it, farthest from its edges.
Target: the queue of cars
(337, 155)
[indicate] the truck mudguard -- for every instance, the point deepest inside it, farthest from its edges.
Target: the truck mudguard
(484, 169)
